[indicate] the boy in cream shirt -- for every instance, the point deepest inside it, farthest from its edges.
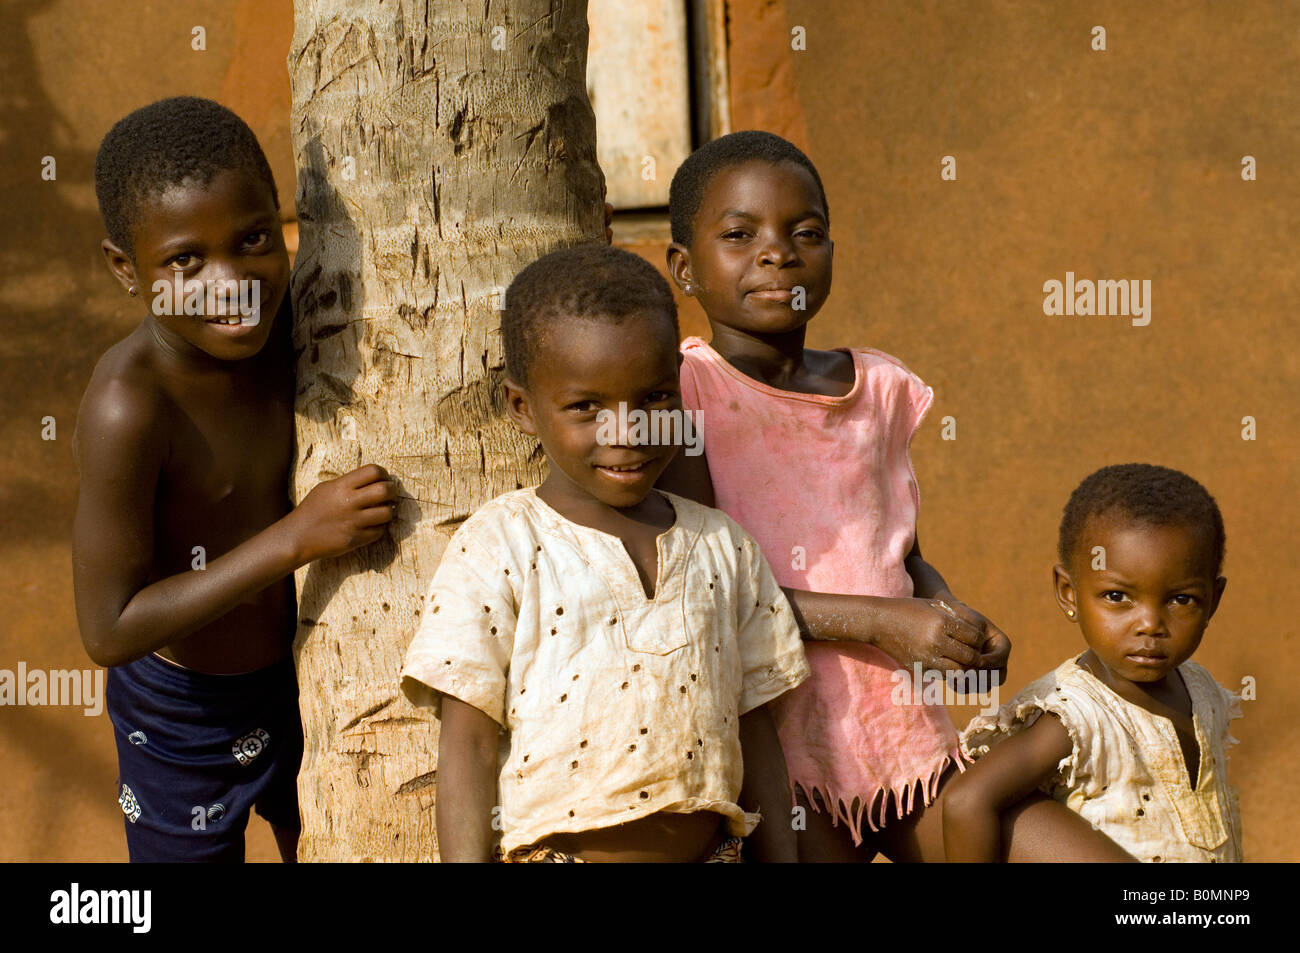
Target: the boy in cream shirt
(626, 640)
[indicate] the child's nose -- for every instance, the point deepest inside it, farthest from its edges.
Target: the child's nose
(225, 286)
(776, 250)
(221, 269)
(1151, 621)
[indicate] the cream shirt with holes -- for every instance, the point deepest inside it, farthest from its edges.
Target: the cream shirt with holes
(1126, 773)
(617, 706)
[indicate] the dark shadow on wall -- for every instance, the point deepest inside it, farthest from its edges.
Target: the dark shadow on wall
(50, 266)
(50, 269)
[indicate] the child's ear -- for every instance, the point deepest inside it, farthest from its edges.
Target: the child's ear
(519, 408)
(679, 265)
(119, 264)
(1066, 597)
(1219, 585)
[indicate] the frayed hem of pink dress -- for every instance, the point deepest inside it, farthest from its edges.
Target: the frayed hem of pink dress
(841, 809)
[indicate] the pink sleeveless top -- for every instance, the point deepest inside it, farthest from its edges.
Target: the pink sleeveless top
(825, 485)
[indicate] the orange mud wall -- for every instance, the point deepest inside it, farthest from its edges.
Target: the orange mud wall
(1113, 165)
(70, 70)
(1116, 164)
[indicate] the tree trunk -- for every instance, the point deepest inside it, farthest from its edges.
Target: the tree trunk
(441, 147)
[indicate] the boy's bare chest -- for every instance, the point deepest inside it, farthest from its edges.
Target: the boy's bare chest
(228, 463)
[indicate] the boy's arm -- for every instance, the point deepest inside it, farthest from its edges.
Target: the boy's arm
(1011, 771)
(123, 612)
(467, 783)
(766, 788)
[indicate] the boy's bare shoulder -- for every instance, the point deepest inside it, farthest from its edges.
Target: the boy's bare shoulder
(125, 402)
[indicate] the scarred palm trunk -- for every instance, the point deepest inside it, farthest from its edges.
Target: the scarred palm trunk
(441, 147)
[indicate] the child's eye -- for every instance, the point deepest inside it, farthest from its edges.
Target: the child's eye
(659, 396)
(181, 262)
(582, 406)
(1113, 595)
(257, 239)
(734, 233)
(1187, 599)
(816, 234)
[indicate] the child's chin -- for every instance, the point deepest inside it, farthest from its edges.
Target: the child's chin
(623, 499)
(1145, 673)
(235, 349)
(774, 318)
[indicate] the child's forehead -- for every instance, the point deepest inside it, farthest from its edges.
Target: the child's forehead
(755, 182)
(610, 347)
(1143, 544)
(229, 195)
(236, 188)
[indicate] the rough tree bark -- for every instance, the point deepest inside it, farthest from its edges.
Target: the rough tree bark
(441, 147)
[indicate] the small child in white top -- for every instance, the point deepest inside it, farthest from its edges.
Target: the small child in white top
(1137, 735)
(625, 640)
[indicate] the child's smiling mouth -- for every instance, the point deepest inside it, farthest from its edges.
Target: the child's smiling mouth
(238, 324)
(251, 320)
(626, 472)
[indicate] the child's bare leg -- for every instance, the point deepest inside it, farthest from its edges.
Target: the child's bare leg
(1037, 830)
(1041, 830)
(821, 842)
(918, 837)
(286, 839)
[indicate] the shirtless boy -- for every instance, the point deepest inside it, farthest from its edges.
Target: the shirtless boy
(185, 540)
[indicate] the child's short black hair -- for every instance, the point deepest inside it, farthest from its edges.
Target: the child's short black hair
(1145, 493)
(584, 281)
(686, 193)
(163, 145)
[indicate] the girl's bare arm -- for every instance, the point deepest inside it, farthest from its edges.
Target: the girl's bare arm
(908, 630)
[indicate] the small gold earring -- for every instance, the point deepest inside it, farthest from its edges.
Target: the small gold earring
(1070, 613)
(689, 289)
(131, 291)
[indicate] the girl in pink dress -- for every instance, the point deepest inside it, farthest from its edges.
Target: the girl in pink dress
(808, 451)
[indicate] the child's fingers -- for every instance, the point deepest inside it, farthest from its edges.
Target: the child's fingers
(959, 653)
(965, 613)
(361, 476)
(997, 674)
(371, 535)
(964, 632)
(971, 627)
(377, 515)
(995, 652)
(373, 494)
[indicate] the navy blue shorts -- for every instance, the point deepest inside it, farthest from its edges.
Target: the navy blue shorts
(196, 752)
